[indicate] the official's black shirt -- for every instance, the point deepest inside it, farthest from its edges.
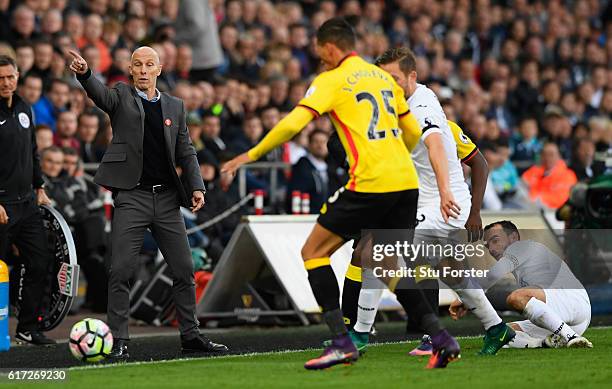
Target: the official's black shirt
(19, 161)
(155, 163)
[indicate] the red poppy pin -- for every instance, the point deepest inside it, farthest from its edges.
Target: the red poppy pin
(168, 122)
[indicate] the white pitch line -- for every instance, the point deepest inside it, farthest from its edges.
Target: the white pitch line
(137, 363)
(163, 361)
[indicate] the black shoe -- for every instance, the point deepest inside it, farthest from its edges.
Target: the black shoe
(120, 350)
(201, 344)
(36, 338)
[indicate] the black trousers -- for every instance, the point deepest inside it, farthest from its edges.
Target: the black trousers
(135, 211)
(26, 231)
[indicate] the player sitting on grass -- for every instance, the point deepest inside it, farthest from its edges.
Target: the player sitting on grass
(432, 227)
(551, 297)
(377, 132)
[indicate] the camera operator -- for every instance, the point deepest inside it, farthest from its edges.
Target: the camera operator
(20, 221)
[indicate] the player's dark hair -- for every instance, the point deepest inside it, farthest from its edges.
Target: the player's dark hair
(338, 32)
(403, 55)
(5, 60)
(507, 226)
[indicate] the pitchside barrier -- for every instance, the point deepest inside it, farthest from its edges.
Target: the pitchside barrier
(261, 277)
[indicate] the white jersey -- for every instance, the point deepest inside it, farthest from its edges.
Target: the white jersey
(532, 264)
(427, 109)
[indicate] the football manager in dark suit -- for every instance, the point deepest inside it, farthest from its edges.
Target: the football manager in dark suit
(150, 138)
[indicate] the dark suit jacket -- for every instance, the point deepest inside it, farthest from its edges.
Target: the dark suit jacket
(304, 177)
(121, 165)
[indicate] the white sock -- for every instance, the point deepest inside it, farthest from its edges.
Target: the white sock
(477, 302)
(538, 312)
(367, 308)
(523, 340)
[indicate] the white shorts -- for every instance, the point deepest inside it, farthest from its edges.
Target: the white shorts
(432, 229)
(573, 307)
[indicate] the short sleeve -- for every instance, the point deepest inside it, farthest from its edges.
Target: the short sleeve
(320, 95)
(466, 149)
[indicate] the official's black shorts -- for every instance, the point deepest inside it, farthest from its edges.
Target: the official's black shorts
(346, 213)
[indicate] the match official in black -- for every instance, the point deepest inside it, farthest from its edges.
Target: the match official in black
(150, 138)
(21, 191)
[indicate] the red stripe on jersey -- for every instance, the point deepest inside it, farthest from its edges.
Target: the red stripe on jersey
(312, 110)
(349, 55)
(352, 146)
(470, 155)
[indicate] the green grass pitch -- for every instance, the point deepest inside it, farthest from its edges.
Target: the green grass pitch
(383, 366)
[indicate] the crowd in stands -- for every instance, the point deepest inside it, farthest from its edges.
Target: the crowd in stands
(528, 80)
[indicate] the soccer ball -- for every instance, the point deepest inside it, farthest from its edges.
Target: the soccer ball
(90, 340)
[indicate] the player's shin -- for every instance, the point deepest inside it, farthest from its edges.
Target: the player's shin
(541, 314)
(366, 309)
(350, 295)
(476, 301)
(414, 300)
(325, 289)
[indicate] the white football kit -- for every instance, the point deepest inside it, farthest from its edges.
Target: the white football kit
(429, 113)
(534, 264)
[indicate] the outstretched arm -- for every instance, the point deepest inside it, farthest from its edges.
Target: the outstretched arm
(284, 130)
(105, 98)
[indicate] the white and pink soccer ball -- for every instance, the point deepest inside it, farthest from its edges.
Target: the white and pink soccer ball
(90, 340)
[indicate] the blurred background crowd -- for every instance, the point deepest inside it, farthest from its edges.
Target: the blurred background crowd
(528, 80)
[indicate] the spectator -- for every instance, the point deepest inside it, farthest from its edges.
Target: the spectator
(582, 159)
(194, 125)
(248, 63)
(134, 31)
(211, 129)
(81, 206)
(92, 36)
(88, 126)
(550, 182)
(252, 131)
(228, 36)
(119, 69)
(526, 145)
(43, 57)
(44, 137)
(73, 25)
(23, 25)
(66, 130)
(184, 61)
(309, 174)
(91, 54)
(499, 109)
(55, 101)
(51, 22)
(558, 129)
(525, 96)
(24, 54)
(196, 25)
(504, 177)
(31, 88)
